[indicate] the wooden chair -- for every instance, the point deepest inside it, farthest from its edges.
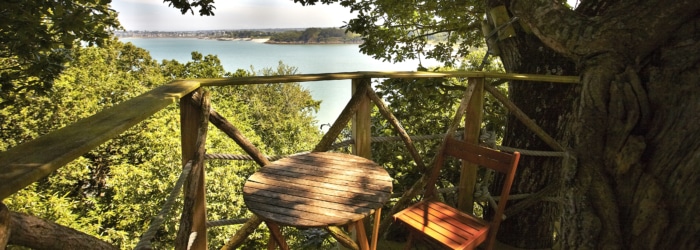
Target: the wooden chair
(447, 225)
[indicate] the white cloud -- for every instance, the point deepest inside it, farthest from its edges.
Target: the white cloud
(245, 14)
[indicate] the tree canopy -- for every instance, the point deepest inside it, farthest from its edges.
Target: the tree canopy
(315, 35)
(103, 193)
(37, 37)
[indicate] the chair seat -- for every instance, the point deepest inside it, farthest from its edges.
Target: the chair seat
(449, 226)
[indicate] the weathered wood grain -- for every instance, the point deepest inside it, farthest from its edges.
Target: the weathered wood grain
(318, 189)
(194, 119)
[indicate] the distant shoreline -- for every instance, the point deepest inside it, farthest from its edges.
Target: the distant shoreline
(302, 43)
(257, 40)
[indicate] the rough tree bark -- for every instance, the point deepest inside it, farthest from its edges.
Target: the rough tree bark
(35, 233)
(635, 132)
(546, 103)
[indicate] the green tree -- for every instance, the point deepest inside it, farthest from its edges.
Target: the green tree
(37, 37)
(283, 113)
(287, 36)
(113, 191)
(310, 35)
(92, 193)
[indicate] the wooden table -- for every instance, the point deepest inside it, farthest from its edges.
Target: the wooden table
(320, 190)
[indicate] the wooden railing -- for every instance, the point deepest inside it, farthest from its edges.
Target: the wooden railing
(24, 164)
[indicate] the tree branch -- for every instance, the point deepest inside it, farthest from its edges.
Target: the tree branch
(35, 233)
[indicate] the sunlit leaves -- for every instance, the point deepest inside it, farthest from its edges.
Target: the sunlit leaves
(113, 191)
(36, 38)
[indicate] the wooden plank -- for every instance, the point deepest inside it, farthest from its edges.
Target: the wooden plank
(318, 184)
(341, 160)
(339, 170)
(499, 161)
(327, 162)
(345, 184)
(472, 128)
(286, 220)
(194, 121)
(31, 161)
(326, 212)
(314, 202)
(351, 198)
(362, 121)
(445, 224)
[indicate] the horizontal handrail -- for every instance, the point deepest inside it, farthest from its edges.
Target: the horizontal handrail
(26, 163)
(383, 74)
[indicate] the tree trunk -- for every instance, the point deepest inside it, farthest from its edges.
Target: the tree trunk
(547, 104)
(35, 233)
(636, 133)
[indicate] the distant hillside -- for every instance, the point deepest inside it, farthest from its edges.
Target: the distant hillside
(209, 34)
(315, 35)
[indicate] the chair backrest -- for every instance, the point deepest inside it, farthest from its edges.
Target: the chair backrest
(502, 162)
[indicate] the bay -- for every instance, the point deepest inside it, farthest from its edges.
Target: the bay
(308, 58)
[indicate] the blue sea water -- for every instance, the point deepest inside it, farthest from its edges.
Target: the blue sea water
(314, 58)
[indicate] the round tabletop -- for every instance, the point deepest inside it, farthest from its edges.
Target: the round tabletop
(318, 189)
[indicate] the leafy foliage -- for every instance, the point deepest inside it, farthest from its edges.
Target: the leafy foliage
(316, 35)
(113, 191)
(397, 30)
(37, 38)
(206, 7)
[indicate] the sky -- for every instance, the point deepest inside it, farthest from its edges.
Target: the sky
(154, 15)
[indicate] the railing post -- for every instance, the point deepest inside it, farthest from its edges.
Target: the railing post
(192, 233)
(361, 123)
(472, 127)
(361, 133)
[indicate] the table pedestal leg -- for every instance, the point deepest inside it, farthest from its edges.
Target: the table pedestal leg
(276, 238)
(375, 229)
(361, 234)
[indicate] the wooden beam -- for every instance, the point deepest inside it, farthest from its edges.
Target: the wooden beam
(31, 161)
(362, 121)
(525, 119)
(383, 74)
(224, 125)
(194, 120)
(35, 233)
(384, 110)
(472, 127)
(240, 236)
